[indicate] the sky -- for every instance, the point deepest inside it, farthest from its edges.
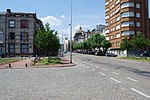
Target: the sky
(86, 13)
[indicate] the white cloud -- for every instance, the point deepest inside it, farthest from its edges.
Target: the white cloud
(63, 16)
(53, 21)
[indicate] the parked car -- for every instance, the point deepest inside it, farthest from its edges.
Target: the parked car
(111, 55)
(145, 54)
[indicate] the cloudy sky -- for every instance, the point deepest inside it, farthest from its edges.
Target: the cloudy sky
(86, 13)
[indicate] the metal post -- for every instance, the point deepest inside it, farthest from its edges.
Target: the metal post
(9, 65)
(62, 44)
(71, 34)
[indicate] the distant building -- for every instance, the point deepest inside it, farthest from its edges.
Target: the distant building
(17, 33)
(100, 29)
(125, 18)
(81, 35)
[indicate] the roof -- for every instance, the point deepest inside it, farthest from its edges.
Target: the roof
(79, 30)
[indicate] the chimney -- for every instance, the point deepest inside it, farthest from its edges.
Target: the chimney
(8, 10)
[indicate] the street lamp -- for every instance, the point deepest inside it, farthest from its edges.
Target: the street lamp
(71, 32)
(62, 43)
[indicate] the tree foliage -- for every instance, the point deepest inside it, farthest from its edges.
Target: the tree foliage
(46, 40)
(95, 41)
(137, 42)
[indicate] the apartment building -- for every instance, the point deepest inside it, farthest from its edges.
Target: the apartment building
(17, 33)
(81, 35)
(125, 18)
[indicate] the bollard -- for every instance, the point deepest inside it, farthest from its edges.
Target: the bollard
(26, 65)
(9, 65)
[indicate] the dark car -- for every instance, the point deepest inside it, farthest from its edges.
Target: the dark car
(145, 54)
(111, 55)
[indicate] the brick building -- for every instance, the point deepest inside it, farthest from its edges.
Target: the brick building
(17, 32)
(125, 18)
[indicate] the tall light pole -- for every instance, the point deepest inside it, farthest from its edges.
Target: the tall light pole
(71, 32)
(62, 43)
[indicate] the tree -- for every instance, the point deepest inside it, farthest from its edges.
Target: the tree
(126, 44)
(46, 41)
(137, 42)
(105, 45)
(96, 41)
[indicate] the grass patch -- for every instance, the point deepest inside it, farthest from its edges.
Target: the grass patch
(6, 60)
(133, 58)
(49, 61)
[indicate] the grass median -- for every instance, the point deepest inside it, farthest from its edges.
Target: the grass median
(7, 60)
(134, 58)
(49, 61)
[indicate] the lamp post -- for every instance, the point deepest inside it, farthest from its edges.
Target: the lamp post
(71, 32)
(62, 43)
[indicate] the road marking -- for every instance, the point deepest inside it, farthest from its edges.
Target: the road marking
(104, 69)
(102, 73)
(132, 79)
(88, 67)
(93, 69)
(115, 80)
(141, 93)
(115, 73)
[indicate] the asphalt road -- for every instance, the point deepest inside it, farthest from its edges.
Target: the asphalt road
(93, 78)
(133, 75)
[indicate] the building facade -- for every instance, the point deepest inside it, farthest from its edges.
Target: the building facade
(81, 35)
(17, 33)
(125, 18)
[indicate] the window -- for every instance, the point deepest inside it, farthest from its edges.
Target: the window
(107, 3)
(127, 24)
(24, 36)
(117, 27)
(111, 37)
(117, 2)
(118, 35)
(117, 18)
(117, 10)
(1, 37)
(138, 24)
(24, 48)
(127, 14)
(24, 23)
(107, 16)
(138, 5)
(11, 36)
(138, 15)
(11, 48)
(128, 32)
(107, 31)
(11, 24)
(127, 4)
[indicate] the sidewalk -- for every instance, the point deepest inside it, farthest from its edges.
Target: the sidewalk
(19, 64)
(22, 64)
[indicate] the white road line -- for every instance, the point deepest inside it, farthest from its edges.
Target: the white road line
(115, 73)
(104, 69)
(115, 80)
(132, 79)
(93, 69)
(102, 73)
(141, 93)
